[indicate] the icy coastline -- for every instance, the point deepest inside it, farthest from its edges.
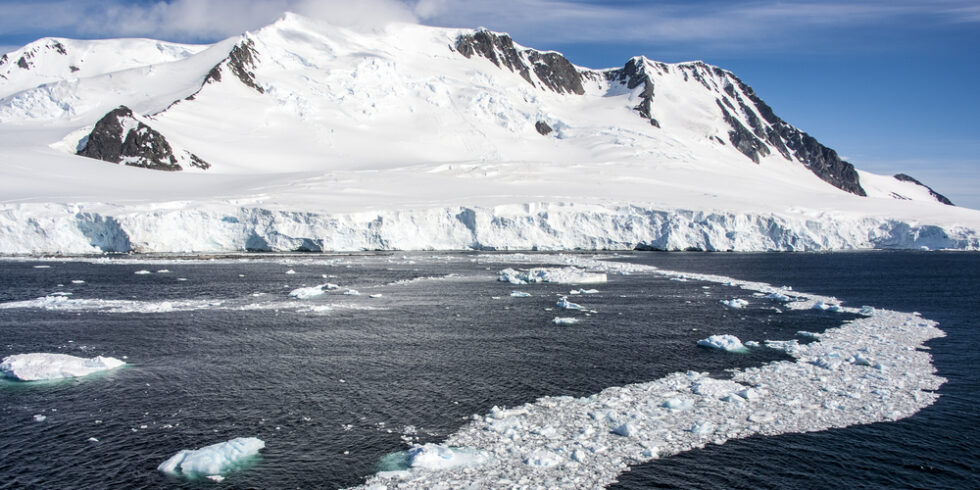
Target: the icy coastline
(29, 229)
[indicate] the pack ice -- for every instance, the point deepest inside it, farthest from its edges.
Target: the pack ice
(214, 460)
(41, 366)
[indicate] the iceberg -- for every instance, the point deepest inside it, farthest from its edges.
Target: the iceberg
(726, 342)
(564, 320)
(213, 460)
(41, 366)
(568, 305)
(520, 294)
(309, 292)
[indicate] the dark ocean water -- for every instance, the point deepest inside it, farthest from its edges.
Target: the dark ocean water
(332, 393)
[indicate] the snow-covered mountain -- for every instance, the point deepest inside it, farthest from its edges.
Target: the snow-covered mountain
(307, 136)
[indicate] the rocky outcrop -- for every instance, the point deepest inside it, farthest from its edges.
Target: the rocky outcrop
(549, 70)
(241, 61)
(543, 128)
(939, 197)
(119, 137)
(633, 75)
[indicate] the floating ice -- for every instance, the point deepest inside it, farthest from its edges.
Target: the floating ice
(290, 271)
(564, 320)
(520, 294)
(141, 272)
(213, 460)
(40, 366)
(821, 305)
(736, 303)
(778, 296)
(726, 342)
(683, 411)
(584, 291)
(436, 457)
(566, 275)
(352, 292)
(867, 310)
(308, 292)
(77, 281)
(568, 305)
(40, 418)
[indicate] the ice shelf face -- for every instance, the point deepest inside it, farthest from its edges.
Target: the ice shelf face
(870, 369)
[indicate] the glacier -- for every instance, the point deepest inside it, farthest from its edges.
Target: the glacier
(650, 156)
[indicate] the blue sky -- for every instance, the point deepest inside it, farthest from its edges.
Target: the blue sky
(890, 84)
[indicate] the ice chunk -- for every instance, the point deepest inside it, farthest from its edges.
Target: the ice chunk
(726, 342)
(310, 292)
(352, 292)
(41, 366)
(565, 275)
(438, 457)
(40, 418)
(77, 281)
(678, 404)
(520, 294)
(568, 305)
(142, 272)
(215, 459)
(584, 291)
(820, 305)
(564, 320)
(542, 458)
(867, 310)
(290, 271)
(627, 429)
(778, 296)
(736, 303)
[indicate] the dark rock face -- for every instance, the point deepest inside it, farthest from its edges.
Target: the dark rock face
(939, 197)
(22, 62)
(543, 128)
(139, 146)
(633, 75)
(241, 61)
(743, 139)
(789, 141)
(553, 70)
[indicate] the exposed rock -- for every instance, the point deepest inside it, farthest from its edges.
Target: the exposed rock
(543, 128)
(241, 61)
(634, 74)
(553, 70)
(939, 197)
(120, 138)
(22, 62)
(743, 139)
(73, 68)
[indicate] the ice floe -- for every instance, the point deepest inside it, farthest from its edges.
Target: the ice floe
(43, 366)
(564, 320)
(584, 291)
(309, 292)
(826, 306)
(564, 304)
(213, 460)
(869, 369)
(726, 342)
(519, 294)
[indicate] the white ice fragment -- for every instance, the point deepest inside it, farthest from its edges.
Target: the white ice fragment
(40, 418)
(92, 439)
(290, 271)
(142, 272)
(564, 320)
(520, 294)
(584, 291)
(42, 266)
(216, 478)
(867, 310)
(678, 404)
(308, 292)
(42, 366)
(804, 333)
(163, 271)
(77, 281)
(726, 342)
(627, 429)
(751, 343)
(215, 459)
(568, 305)
(702, 428)
(438, 457)
(736, 303)
(565, 275)
(778, 296)
(352, 292)
(860, 360)
(375, 296)
(820, 305)
(542, 458)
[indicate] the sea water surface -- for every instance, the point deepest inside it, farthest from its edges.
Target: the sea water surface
(218, 349)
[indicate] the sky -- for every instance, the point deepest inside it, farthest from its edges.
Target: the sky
(889, 84)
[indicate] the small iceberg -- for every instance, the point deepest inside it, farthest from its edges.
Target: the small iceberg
(352, 292)
(584, 291)
(565, 275)
(735, 303)
(520, 294)
(726, 342)
(778, 296)
(41, 366)
(213, 460)
(142, 272)
(568, 305)
(564, 320)
(820, 305)
(307, 293)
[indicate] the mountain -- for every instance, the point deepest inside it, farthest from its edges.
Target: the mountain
(308, 136)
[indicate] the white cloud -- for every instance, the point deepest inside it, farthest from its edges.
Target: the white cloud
(184, 20)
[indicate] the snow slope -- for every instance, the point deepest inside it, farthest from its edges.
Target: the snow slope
(413, 137)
